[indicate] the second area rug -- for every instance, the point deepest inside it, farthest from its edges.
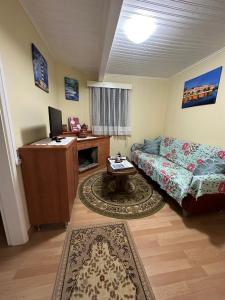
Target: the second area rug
(101, 262)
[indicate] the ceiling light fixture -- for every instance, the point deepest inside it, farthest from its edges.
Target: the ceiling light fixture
(139, 28)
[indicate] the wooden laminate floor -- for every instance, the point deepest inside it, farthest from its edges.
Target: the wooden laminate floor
(184, 258)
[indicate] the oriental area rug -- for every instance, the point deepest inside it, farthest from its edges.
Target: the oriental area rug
(101, 262)
(139, 200)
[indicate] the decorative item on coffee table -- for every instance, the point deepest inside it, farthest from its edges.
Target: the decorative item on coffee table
(83, 131)
(118, 158)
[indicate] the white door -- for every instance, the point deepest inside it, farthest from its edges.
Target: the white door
(4, 175)
(10, 194)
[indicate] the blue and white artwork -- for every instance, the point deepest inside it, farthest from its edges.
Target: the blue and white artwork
(202, 90)
(71, 89)
(40, 67)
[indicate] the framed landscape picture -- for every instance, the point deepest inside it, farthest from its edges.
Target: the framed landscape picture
(202, 90)
(71, 89)
(40, 67)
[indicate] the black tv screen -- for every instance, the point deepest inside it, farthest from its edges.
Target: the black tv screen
(55, 121)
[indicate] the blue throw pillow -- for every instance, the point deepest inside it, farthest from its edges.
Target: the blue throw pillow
(147, 141)
(152, 146)
(210, 166)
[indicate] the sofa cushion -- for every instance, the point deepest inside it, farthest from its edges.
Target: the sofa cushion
(135, 155)
(207, 184)
(172, 178)
(152, 146)
(136, 146)
(210, 166)
(188, 155)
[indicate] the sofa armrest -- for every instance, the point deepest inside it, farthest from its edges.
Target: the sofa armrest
(136, 146)
(207, 184)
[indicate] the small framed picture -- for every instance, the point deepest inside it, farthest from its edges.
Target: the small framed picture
(71, 89)
(40, 67)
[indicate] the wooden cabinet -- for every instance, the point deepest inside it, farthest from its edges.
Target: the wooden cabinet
(50, 175)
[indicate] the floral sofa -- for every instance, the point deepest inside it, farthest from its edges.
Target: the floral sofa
(192, 174)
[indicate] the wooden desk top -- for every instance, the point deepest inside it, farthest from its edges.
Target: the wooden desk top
(47, 143)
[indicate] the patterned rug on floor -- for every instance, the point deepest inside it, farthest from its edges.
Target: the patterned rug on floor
(139, 200)
(101, 262)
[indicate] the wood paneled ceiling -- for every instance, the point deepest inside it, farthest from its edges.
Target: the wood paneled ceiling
(80, 33)
(187, 31)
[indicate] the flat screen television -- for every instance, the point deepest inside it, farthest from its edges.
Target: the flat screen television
(55, 122)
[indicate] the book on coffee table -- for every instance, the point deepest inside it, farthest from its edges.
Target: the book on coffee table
(125, 164)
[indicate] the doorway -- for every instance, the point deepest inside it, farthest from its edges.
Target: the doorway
(11, 206)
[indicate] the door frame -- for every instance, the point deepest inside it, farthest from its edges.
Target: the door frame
(11, 202)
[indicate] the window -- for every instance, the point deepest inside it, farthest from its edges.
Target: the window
(110, 111)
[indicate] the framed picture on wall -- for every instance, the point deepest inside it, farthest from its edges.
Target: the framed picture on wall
(40, 68)
(71, 89)
(202, 90)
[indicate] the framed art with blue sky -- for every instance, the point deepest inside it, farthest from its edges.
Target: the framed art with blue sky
(71, 89)
(40, 68)
(202, 90)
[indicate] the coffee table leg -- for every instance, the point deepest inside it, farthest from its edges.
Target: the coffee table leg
(121, 183)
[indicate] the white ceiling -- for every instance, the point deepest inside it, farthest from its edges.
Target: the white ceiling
(187, 31)
(80, 33)
(72, 29)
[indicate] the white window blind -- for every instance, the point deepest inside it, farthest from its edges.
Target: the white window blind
(110, 110)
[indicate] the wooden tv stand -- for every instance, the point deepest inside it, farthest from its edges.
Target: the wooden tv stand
(50, 176)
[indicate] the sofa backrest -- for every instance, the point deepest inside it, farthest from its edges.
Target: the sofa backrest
(186, 154)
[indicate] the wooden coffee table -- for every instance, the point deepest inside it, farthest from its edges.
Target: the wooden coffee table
(121, 176)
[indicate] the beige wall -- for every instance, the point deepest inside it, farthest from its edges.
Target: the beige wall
(148, 106)
(70, 108)
(28, 103)
(204, 124)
